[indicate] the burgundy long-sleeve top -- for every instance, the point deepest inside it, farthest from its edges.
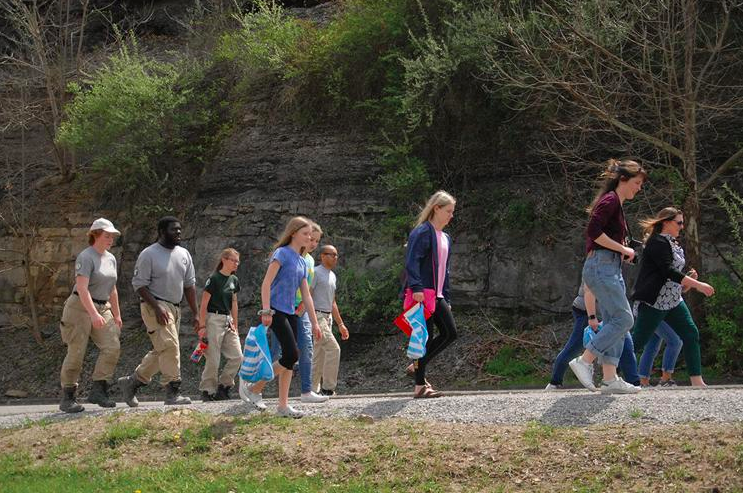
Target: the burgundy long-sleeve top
(607, 217)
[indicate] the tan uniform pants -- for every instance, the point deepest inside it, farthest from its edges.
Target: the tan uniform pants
(326, 355)
(76, 329)
(222, 340)
(165, 356)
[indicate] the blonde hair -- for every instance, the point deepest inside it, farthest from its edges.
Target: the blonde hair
(294, 225)
(316, 228)
(226, 253)
(440, 199)
(654, 225)
(615, 172)
(93, 235)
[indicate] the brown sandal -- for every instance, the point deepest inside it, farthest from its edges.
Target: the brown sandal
(427, 393)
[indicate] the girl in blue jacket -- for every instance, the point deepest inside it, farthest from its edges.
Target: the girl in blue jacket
(427, 269)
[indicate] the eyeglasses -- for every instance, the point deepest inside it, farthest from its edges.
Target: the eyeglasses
(680, 223)
(331, 254)
(233, 260)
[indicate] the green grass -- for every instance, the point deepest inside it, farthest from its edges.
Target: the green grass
(118, 433)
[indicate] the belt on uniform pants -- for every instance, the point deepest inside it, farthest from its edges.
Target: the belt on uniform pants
(97, 302)
(160, 299)
(218, 312)
(324, 313)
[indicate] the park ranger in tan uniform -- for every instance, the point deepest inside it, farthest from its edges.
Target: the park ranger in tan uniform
(163, 272)
(92, 312)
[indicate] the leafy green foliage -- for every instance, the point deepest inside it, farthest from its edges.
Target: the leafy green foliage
(137, 119)
(509, 363)
(371, 295)
(725, 308)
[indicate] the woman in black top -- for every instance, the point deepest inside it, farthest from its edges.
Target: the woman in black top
(659, 286)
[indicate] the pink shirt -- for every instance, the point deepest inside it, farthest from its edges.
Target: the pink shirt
(442, 245)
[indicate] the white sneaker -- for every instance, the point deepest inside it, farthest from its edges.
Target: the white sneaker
(312, 398)
(584, 372)
(247, 396)
(551, 386)
(288, 412)
(619, 386)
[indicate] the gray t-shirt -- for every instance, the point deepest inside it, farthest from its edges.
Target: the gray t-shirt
(100, 269)
(580, 301)
(164, 272)
(323, 289)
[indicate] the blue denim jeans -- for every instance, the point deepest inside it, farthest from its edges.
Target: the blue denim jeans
(574, 346)
(304, 343)
(664, 332)
(602, 273)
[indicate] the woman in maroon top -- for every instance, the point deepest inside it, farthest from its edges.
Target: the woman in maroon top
(602, 273)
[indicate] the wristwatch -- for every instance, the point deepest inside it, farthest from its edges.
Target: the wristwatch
(592, 317)
(266, 311)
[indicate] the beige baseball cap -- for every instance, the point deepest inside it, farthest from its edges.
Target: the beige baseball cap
(105, 225)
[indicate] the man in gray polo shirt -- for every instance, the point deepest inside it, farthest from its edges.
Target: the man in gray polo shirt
(327, 354)
(163, 272)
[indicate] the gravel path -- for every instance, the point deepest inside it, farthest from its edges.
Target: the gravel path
(563, 408)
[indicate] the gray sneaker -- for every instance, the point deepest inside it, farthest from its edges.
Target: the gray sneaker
(552, 386)
(584, 372)
(667, 384)
(619, 386)
(288, 412)
(247, 396)
(311, 397)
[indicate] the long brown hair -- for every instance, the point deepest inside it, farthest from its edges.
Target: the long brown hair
(294, 225)
(615, 172)
(441, 199)
(654, 225)
(226, 253)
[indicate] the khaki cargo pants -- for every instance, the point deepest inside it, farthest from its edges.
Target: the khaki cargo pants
(326, 355)
(76, 329)
(165, 356)
(222, 340)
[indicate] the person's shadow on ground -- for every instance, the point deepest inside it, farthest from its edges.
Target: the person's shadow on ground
(576, 410)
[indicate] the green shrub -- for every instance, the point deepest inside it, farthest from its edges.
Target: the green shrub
(724, 331)
(267, 40)
(372, 295)
(142, 123)
(121, 119)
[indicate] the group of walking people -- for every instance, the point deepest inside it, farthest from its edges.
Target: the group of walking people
(163, 274)
(298, 306)
(659, 311)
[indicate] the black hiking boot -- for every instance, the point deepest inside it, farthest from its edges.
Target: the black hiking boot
(173, 394)
(223, 393)
(99, 394)
(69, 402)
(207, 397)
(129, 386)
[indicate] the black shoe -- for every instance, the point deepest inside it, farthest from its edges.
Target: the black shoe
(129, 386)
(207, 397)
(69, 401)
(327, 392)
(173, 394)
(223, 393)
(99, 394)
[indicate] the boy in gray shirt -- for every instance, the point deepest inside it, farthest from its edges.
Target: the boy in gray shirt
(327, 354)
(163, 272)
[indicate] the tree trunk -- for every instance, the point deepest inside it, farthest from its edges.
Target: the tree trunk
(692, 212)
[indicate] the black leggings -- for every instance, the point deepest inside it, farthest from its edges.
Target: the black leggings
(444, 321)
(284, 326)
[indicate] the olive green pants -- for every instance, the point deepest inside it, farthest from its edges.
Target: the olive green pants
(76, 328)
(679, 318)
